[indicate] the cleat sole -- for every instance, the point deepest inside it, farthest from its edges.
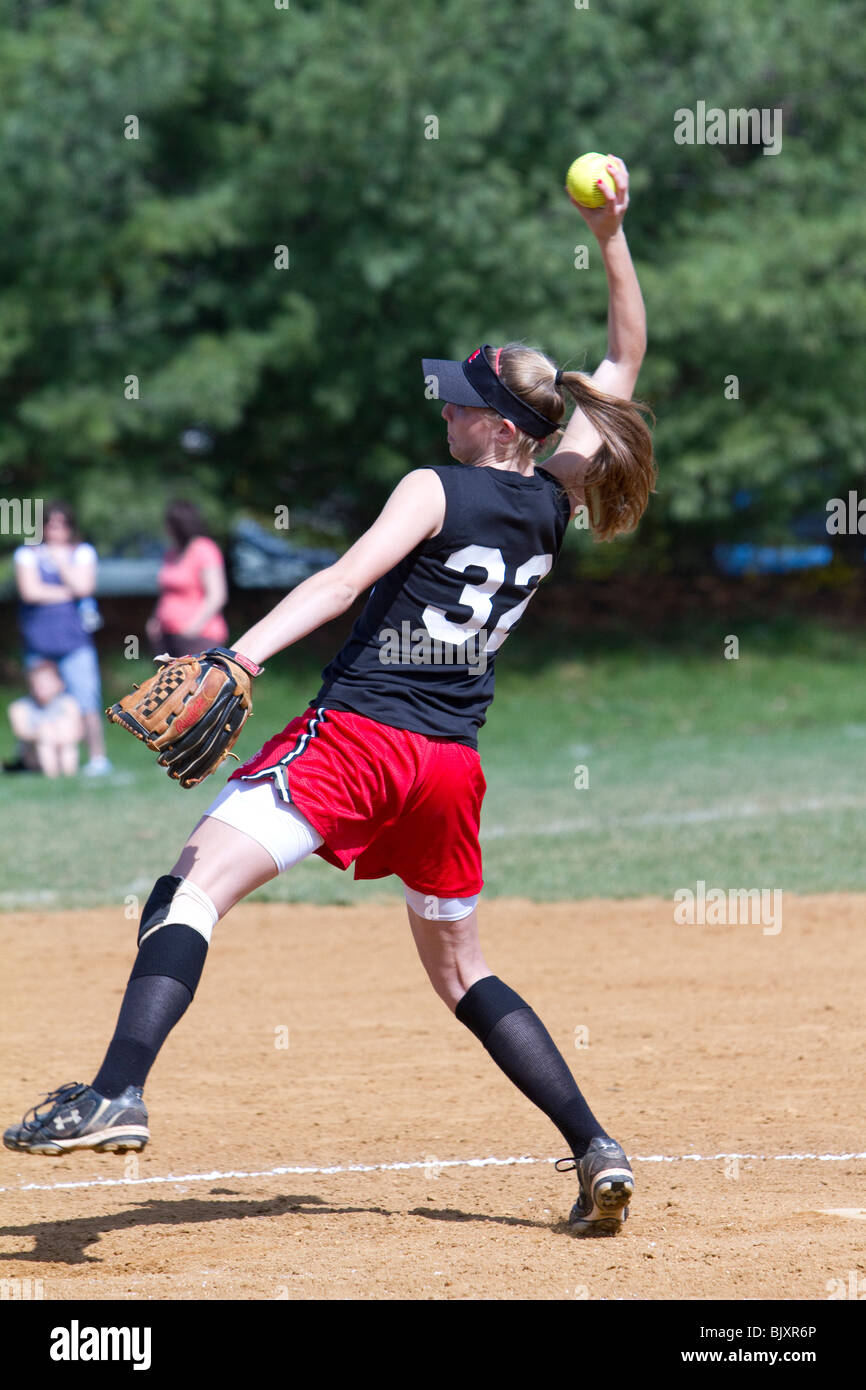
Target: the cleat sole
(606, 1226)
(132, 1140)
(611, 1194)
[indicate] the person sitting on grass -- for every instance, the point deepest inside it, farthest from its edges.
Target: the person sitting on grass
(47, 723)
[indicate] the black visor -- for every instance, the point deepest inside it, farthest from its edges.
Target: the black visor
(474, 382)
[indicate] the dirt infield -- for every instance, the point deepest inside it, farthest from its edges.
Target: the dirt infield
(699, 1040)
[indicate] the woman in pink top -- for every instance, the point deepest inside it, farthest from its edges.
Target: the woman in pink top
(193, 591)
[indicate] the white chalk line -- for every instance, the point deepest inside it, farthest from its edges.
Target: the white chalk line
(741, 810)
(429, 1166)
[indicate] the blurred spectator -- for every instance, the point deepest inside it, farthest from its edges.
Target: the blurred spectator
(47, 724)
(193, 590)
(52, 580)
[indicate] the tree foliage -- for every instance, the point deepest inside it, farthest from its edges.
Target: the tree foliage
(410, 159)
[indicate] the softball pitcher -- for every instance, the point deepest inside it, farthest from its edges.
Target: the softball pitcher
(382, 771)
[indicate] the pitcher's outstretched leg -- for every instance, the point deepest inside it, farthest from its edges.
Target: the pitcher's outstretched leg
(218, 866)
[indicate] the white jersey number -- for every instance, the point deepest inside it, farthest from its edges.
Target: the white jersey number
(479, 597)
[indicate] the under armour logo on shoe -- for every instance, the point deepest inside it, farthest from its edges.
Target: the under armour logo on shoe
(72, 1118)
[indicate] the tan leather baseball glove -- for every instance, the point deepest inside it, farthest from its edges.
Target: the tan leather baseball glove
(191, 712)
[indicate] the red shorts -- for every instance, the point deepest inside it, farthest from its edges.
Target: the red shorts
(386, 800)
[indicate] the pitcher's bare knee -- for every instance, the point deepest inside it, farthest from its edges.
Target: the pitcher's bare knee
(223, 862)
(448, 945)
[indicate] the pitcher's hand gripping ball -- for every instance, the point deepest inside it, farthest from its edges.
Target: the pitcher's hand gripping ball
(191, 712)
(582, 180)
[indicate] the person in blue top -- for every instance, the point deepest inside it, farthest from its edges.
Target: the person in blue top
(55, 580)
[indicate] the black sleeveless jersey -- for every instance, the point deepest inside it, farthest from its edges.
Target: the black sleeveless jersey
(422, 654)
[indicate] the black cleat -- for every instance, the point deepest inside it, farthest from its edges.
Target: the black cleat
(77, 1117)
(606, 1187)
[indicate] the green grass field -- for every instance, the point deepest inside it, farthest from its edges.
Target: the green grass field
(743, 773)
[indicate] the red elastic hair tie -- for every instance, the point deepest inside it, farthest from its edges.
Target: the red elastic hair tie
(498, 355)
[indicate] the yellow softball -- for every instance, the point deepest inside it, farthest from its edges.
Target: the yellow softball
(582, 180)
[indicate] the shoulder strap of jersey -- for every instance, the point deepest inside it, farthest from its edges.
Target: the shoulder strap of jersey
(457, 480)
(562, 498)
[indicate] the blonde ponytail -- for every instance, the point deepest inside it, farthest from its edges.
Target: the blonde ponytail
(622, 472)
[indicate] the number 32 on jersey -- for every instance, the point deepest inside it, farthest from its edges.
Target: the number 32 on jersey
(479, 597)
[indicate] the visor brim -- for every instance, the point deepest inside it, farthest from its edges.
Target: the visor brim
(451, 383)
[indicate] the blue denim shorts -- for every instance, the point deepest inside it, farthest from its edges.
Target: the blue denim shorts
(79, 671)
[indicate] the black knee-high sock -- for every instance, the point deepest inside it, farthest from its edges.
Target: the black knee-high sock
(164, 979)
(520, 1044)
(151, 1006)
